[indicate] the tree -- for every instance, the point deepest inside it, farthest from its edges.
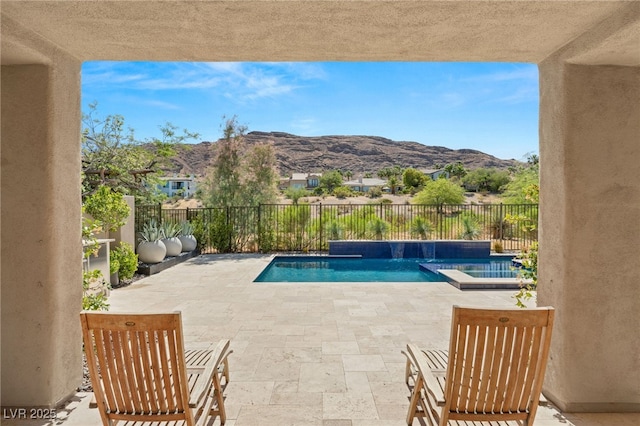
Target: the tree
(295, 194)
(524, 187)
(260, 170)
(389, 172)
(240, 175)
(456, 169)
(393, 184)
(483, 179)
(440, 191)
(111, 156)
(330, 180)
(414, 179)
(223, 185)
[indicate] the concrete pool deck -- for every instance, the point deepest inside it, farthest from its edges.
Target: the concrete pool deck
(307, 354)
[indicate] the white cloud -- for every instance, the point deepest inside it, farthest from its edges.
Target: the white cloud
(242, 82)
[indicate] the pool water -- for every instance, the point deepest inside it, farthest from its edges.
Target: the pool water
(502, 268)
(355, 269)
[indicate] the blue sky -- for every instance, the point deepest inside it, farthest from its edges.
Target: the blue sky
(491, 107)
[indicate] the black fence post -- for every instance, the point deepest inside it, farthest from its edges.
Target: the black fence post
(259, 228)
(319, 247)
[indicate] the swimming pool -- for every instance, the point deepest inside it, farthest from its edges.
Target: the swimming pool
(357, 269)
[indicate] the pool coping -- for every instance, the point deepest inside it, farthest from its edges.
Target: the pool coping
(463, 281)
(454, 277)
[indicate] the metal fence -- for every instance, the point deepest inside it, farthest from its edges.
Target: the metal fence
(308, 228)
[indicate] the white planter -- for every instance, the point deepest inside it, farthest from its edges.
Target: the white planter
(151, 251)
(174, 246)
(189, 242)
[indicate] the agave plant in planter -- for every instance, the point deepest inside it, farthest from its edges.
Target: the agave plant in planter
(186, 237)
(151, 249)
(170, 231)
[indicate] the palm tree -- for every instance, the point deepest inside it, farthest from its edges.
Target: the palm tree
(393, 184)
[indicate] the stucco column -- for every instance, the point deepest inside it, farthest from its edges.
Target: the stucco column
(41, 234)
(590, 233)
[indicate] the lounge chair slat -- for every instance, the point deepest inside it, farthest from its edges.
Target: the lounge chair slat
(494, 372)
(144, 376)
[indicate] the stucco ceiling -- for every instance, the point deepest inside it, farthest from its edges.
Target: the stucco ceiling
(511, 31)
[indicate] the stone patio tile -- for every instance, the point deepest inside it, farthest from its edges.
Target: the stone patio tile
(280, 415)
(322, 377)
(363, 363)
(357, 382)
(336, 423)
(390, 393)
(307, 399)
(250, 393)
(335, 348)
(348, 406)
(382, 422)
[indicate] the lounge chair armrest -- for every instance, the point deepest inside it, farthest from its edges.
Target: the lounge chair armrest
(209, 374)
(419, 361)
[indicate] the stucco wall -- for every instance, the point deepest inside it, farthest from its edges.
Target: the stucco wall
(590, 233)
(41, 246)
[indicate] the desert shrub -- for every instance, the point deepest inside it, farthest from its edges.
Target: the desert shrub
(470, 228)
(377, 228)
(374, 192)
(421, 228)
(342, 192)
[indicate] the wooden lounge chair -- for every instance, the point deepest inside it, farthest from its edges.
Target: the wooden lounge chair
(493, 371)
(139, 372)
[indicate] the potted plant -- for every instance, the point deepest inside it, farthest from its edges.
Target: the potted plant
(186, 237)
(127, 260)
(170, 232)
(151, 249)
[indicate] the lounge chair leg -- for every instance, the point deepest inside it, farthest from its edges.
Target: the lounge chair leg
(415, 398)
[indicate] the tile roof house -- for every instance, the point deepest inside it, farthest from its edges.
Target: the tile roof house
(364, 184)
(301, 180)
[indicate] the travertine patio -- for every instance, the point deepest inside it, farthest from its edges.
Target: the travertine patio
(307, 354)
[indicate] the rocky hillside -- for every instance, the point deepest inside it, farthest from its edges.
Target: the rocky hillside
(358, 154)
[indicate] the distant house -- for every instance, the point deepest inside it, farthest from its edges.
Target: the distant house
(364, 184)
(181, 186)
(435, 174)
(301, 180)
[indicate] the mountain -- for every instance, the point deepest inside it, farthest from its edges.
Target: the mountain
(358, 154)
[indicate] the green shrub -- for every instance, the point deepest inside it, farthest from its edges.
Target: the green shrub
(529, 270)
(127, 261)
(94, 288)
(335, 230)
(114, 264)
